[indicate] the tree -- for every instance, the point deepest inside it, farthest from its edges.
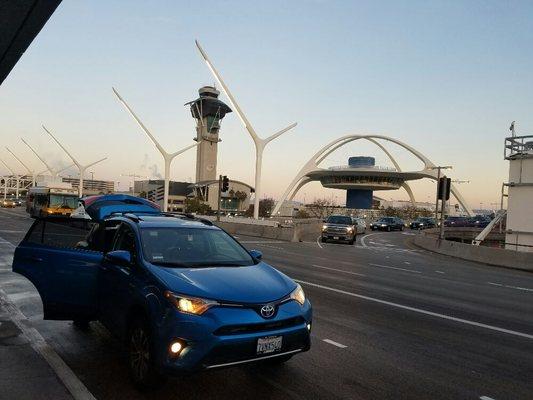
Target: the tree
(302, 214)
(320, 208)
(265, 208)
(195, 205)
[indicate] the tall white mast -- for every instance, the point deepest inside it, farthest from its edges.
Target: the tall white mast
(52, 171)
(167, 157)
(30, 171)
(5, 180)
(259, 142)
(81, 168)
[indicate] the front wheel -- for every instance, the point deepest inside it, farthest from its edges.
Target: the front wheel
(388, 229)
(141, 356)
(401, 228)
(323, 240)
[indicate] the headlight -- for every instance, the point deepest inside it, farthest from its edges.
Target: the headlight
(349, 229)
(298, 295)
(383, 225)
(189, 305)
(324, 227)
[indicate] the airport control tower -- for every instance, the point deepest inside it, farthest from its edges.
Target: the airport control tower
(208, 110)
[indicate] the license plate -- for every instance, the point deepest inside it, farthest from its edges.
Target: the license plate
(269, 344)
(335, 238)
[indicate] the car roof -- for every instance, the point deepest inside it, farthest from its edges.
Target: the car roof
(165, 220)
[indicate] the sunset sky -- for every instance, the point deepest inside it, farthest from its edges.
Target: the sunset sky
(443, 76)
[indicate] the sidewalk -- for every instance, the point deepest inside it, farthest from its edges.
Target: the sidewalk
(24, 374)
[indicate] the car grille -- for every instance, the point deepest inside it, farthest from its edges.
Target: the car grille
(334, 229)
(260, 327)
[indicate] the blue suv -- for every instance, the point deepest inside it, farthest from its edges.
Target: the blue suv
(182, 293)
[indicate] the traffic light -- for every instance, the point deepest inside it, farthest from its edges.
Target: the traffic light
(444, 188)
(225, 184)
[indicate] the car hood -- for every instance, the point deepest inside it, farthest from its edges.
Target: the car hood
(258, 283)
(336, 225)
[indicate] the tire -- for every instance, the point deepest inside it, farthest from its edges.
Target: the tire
(388, 228)
(81, 324)
(323, 240)
(351, 241)
(141, 365)
(401, 228)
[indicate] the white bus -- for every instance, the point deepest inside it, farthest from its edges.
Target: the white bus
(51, 198)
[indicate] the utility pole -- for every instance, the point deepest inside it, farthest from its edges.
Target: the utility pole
(219, 196)
(439, 168)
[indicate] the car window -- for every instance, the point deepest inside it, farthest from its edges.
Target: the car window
(65, 233)
(192, 247)
(339, 219)
(125, 240)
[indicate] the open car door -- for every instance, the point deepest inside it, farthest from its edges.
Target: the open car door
(55, 257)
(61, 256)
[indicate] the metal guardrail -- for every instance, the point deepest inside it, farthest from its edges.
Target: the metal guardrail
(518, 146)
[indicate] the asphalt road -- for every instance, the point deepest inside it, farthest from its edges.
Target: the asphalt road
(390, 322)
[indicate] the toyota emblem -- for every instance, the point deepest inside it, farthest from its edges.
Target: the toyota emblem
(267, 311)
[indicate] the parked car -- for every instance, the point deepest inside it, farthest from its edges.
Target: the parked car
(388, 224)
(479, 221)
(423, 223)
(8, 203)
(183, 294)
(341, 228)
(458, 222)
(361, 225)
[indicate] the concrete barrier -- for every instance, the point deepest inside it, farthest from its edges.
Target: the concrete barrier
(291, 233)
(487, 255)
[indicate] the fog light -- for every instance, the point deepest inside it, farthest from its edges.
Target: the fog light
(309, 327)
(175, 348)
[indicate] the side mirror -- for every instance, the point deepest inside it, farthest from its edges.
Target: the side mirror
(256, 254)
(120, 257)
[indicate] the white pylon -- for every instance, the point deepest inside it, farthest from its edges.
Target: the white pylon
(81, 168)
(17, 178)
(53, 172)
(259, 142)
(30, 171)
(167, 157)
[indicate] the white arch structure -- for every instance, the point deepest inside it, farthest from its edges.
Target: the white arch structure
(302, 178)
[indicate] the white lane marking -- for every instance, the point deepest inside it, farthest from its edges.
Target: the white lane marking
(235, 236)
(407, 262)
(260, 241)
(486, 398)
(400, 269)
(439, 272)
(421, 311)
(270, 247)
(408, 234)
(318, 242)
(334, 343)
(510, 287)
(365, 236)
(10, 231)
(73, 384)
(338, 270)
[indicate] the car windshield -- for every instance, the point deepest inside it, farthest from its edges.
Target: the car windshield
(386, 220)
(62, 201)
(339, 219)
(192, 247)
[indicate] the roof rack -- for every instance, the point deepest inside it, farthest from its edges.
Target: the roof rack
(188, 216)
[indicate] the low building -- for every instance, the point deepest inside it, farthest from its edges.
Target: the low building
(92, 186)
(153, 190)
